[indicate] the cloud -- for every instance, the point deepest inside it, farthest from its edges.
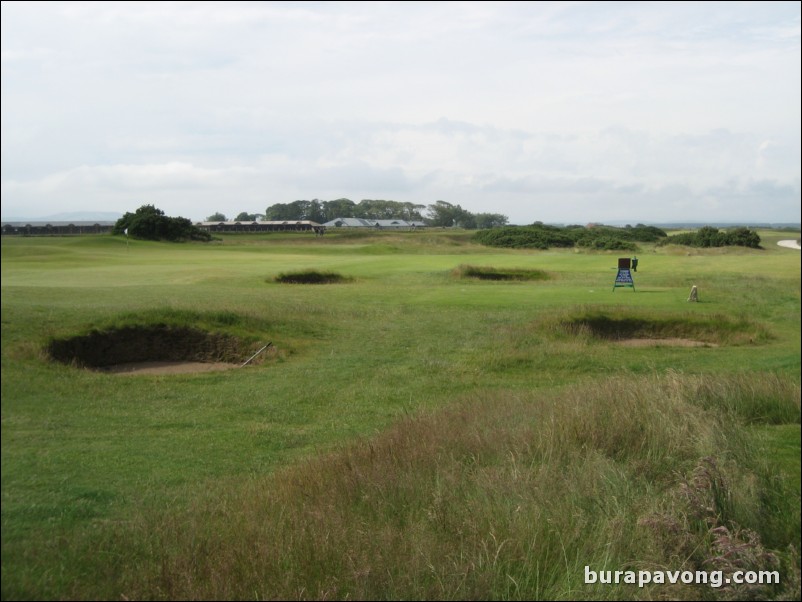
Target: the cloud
(206, 107)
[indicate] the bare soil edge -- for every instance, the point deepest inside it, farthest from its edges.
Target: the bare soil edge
(166, 367)
(671, 342)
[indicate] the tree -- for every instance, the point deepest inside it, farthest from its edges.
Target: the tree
(325, 211)
(441, 214)
(382, 209)
(490, 220)
(464, 219)
(150, 223)
(446, 215)
(314, 212)
(338, 208)
(216, 217)
(283, 212)
(412, 211)
(296, 211)
(247, 217)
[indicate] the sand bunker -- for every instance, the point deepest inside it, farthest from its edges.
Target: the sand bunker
(154, 350)
(166, 367)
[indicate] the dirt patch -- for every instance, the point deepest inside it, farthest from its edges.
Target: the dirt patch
(672, 342)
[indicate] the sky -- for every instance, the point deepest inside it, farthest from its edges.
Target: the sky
(560, 112)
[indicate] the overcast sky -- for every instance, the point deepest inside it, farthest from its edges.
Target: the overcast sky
(563, 112)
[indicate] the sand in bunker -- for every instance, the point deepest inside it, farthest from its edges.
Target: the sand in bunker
(166, 367)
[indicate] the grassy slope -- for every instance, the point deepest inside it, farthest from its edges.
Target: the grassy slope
(82, 450)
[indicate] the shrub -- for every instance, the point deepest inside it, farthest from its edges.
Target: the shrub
(542, 236)
(150, 223)
(708, 236)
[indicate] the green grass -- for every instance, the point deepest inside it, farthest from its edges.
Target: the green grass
(415, 436)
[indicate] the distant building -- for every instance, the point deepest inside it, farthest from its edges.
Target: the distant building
(379, 224)
(55, 228)
(257, 226)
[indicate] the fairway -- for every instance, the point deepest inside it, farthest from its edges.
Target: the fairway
(531, 427)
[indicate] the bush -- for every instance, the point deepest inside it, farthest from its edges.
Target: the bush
(150, 223)
(708, 236)
(526, 237)
(607, 243)
(541, 236)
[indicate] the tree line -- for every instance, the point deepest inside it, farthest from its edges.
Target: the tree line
(150, 223)
(612, 238)
(440, 213)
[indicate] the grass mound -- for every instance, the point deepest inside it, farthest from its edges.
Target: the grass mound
(311, 277)
(491, 273)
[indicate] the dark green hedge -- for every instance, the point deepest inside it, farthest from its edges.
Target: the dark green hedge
(150, 223)
(542, 236)
(708, 236)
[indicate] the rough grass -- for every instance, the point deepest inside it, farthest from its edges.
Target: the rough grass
(498, 496)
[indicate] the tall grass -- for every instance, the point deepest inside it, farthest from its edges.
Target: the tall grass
(498, 496)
